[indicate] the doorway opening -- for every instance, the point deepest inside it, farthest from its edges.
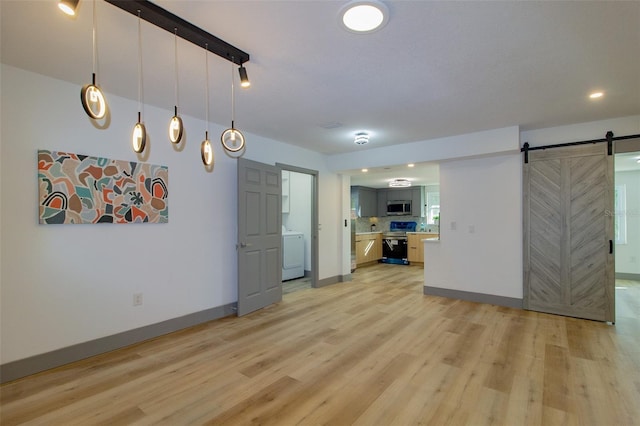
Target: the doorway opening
(299, 228)
(627, 229)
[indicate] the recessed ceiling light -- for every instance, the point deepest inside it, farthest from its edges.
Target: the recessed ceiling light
(596, 95)
(364, 16)
(366, 170)
(410, 165)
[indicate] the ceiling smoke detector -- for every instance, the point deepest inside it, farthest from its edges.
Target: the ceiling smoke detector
(362, 138)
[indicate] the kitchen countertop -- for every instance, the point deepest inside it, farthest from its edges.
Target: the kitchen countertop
(430, 240)
(368, 233)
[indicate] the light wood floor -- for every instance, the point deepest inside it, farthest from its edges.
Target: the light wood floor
(374, 351)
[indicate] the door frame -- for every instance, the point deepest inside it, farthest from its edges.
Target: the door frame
(315, 225)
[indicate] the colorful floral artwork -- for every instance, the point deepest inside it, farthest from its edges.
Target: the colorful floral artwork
(76, 188)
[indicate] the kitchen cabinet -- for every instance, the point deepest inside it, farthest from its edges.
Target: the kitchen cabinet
(364, 201)
(415, 246)
(414, 194)
(382, 202)
(417, 201)
(399, 194)
(368, 247)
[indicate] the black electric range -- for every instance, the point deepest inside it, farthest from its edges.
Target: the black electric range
(394, 242)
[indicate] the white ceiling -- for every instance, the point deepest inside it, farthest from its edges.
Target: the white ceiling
(436, 69)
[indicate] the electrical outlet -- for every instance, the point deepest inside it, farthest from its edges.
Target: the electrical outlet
(137, 299)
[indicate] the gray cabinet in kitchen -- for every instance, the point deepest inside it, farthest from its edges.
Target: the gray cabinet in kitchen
(364, 201)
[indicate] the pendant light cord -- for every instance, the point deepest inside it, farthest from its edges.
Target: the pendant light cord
(233, 98)
(206, 62)
(94, 60)
(140, 91)
(175, 50)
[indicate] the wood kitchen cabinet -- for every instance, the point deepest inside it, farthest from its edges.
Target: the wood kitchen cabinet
(415, 246)
(368, 248)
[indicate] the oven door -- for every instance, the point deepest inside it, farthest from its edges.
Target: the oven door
(394, 250)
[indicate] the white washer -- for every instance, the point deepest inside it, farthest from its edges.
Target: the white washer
(292, 255)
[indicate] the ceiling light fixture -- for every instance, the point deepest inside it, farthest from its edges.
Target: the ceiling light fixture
(596, 95)
(364, 16)
(206, 149)
(68, 6)
(139, 135)
(232, 139)
(244, 79)
(400, 183)
(361, 138)
(175, 125)
(411, 165)
(365, 170)
(91, 96)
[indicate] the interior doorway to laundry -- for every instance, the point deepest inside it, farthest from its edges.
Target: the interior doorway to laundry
(299, 220)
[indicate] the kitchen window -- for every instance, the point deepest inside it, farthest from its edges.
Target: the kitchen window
(433, 207)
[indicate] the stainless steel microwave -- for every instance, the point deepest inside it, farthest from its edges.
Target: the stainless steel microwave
(399, 208)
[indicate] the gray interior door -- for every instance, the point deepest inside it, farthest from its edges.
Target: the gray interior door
(259, 236)
(568, 232)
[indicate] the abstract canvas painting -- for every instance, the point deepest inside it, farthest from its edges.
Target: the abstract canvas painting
(76, 188)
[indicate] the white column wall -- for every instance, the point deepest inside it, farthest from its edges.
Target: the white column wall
(480, 247)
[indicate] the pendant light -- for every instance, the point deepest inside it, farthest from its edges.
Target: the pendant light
(232, 139)
(175, 125)
(139, 135)
(244, 79)
(68, 6)
(91, 96)
(206, 149)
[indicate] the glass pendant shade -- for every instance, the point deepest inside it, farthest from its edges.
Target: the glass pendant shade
(93, 100)
(232, 139)
(206, 151)
(139, 136)
(175, 128)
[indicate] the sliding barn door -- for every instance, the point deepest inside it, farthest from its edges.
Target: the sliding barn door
(568, 232)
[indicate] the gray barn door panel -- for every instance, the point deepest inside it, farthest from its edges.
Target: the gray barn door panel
(259, 236)
(568, 225)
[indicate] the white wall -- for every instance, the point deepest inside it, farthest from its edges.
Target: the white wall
(67, 284)
(480, 247)
(628, 255)
(489, 142)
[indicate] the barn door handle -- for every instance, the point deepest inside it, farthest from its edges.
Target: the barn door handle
(610, 246)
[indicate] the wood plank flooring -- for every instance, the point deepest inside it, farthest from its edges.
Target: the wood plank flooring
(374, 351)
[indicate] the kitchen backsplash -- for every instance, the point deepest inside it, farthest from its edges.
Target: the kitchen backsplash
(363, 224)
